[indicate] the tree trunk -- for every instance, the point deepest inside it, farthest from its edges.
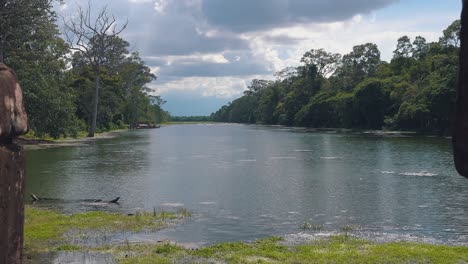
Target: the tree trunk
(92, 129)
(12, 175)
(2, 52)
(460, 131)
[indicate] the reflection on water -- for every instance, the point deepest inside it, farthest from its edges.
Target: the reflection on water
(246, 182)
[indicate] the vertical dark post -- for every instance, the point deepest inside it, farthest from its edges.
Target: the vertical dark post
(13, 122)
(460, 131)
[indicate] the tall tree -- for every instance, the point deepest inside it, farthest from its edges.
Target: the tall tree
(34, 48)
(360, 63)
(365, 58)
(420, 47)
(326, 62)
(135, 75)
(451, 37)
(256, 86)
(404, 48)
(96, 40)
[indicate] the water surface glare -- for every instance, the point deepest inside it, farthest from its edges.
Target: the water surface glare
(247, 182)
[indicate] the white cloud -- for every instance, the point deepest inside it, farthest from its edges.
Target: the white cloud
(140, 1)
(160, 5)
(155, 70)
(215, 58)
(220, 87)
(63, 7)
(190, 59)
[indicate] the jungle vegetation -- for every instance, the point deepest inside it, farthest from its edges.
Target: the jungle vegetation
(414, 91)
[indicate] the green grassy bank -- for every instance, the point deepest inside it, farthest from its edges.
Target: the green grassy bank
(47, 231)
(337, 249)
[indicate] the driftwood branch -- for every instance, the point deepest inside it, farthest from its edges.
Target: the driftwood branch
(36, 198)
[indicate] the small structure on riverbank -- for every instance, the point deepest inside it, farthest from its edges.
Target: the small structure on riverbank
(146, 126)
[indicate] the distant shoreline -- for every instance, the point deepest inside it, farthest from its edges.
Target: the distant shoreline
(377, 132)
(189, 123)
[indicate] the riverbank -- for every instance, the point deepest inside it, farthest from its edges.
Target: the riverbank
(376, 132)
(38, 143)
(336, 249)
(48, 233)
(189, 123)
(381, 132)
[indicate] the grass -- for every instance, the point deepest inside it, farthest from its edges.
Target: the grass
(337, 249)
(45, 229)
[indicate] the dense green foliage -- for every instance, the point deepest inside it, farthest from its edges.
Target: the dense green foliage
(190, 119)
(415, 91)
(58, 84)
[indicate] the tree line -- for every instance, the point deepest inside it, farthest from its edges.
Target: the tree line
(414, 91)
(85, 78)
(190, 118)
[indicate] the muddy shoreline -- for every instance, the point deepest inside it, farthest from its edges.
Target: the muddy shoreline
(28, 143)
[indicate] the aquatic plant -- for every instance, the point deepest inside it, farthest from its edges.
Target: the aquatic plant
(310, 226)
(348, 229)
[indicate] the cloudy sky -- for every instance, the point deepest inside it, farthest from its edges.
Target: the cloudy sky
(205, 52)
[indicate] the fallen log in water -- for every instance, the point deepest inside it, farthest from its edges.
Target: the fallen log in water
(36, 198)
(116, 200)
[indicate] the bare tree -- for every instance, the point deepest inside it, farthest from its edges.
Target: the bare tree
(94, 38)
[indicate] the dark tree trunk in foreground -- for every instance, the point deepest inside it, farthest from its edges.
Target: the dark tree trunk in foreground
(13, 122)
(1, 53)
(11, 203)
(460, 132)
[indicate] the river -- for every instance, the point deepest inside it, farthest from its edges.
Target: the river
(244, 182)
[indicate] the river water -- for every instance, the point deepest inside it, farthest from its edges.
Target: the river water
(244, 182)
